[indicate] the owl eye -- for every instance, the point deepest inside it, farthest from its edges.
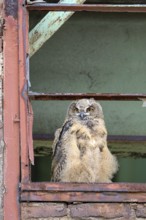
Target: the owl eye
(90, 109)
(75, 109)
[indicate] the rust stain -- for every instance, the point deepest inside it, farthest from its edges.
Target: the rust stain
(23, 89)
(84, 187)
(83, 197)
(96, 96)
(89, 7)
(11, 129)
(30, 135)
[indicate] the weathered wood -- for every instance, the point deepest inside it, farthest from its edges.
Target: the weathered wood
(96, 96)
(90, 7)
(48, 26)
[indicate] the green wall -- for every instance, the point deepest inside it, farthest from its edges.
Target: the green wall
(94, 52)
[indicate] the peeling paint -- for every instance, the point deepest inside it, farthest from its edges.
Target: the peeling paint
(30, 130)
(11, 109)
(11, 8)
(48, 26)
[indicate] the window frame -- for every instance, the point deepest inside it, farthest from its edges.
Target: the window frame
(47, 191)
(83, 192)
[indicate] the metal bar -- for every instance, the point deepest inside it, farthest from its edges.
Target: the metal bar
(83, 187)
(11, 111)
(23, 86)
(135, 138)
(83, 197)
(30, 117)
(89, 7)
(45, 29)
(96, 96)
(121, 138)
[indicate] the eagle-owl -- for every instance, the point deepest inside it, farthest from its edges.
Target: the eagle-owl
(80, 152)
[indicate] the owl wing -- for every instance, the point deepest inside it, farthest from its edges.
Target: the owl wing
(59, 155)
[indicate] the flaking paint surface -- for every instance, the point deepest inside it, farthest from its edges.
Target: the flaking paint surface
(11, 111)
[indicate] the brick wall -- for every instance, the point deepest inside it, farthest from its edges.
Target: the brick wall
(82, 211)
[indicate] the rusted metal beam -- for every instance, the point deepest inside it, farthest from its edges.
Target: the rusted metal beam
(25, 107)
(11, 111)
(96, 96)
(48, 26)
(83, 197)
(83, 187)
(119, 138)
(83, 192)
(89, 7)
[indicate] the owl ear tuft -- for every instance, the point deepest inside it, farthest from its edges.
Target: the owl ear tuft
(73, 104)
(69, 110)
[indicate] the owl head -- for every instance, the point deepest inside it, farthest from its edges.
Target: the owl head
(84, 109)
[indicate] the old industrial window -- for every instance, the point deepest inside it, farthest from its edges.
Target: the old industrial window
(95, 48)
(77, 54)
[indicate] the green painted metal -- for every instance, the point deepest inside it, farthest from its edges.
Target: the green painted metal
(48, 26)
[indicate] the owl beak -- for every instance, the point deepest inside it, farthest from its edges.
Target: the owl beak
(82, 115)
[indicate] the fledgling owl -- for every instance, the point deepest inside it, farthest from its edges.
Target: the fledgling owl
(80, 152)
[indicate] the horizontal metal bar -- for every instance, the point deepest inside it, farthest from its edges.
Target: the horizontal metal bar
(89, 7)
(96, 96)
(83, 187)
(110, 137)
(123, 138)
(83, 192)
(83, 197)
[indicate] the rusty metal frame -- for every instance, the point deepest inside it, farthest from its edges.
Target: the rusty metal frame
(17, 117)
(25, 107)
(89, 7)
(96, 96)
(11, 111)
(16, 111)
(82, 192)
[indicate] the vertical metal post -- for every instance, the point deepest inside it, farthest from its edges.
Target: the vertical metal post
(23, 86)
(11, 112)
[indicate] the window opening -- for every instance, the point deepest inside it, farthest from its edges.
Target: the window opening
(68, 96)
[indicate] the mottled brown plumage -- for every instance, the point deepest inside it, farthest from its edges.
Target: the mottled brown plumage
(80, 152)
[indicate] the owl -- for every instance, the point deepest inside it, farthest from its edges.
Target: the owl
(80, 151)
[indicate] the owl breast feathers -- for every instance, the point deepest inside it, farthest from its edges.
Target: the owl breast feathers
(80, 152)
